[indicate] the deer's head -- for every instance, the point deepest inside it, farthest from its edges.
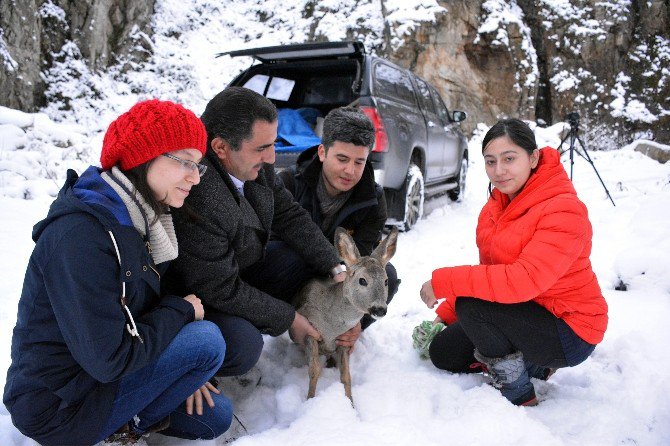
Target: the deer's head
(366, 285)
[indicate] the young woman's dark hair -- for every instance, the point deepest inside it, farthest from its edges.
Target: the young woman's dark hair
(138, 176)
(516, 130)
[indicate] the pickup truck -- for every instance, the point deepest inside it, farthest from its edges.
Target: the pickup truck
(419, 150)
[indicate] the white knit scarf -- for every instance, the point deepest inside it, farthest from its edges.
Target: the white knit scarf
(162, 238)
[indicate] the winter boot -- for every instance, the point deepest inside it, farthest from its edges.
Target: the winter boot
(510, 376)
(126, 435)
(123, 436)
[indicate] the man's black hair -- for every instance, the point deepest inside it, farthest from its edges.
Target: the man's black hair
(231, 115)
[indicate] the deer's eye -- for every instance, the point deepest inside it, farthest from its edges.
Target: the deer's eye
(363, 282)
(386, 282)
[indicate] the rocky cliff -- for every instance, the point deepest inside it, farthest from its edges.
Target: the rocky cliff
(35, 35)
(541, 59)
(536, 59)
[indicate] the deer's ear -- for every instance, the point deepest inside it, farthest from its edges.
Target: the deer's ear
(385, 250)
(346, 247)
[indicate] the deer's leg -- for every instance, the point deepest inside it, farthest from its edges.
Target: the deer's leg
(312, 351)
(345, 375)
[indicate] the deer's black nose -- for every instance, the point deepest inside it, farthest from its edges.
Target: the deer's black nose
(377, 311)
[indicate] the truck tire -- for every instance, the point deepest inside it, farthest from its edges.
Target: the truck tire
(413, 197)
(458, 192)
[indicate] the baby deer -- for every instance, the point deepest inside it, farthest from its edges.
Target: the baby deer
(333, 308)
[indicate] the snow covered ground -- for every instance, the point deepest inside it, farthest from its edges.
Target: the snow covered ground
(618, 396)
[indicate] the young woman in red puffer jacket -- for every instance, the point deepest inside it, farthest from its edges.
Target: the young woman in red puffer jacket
(533, 304)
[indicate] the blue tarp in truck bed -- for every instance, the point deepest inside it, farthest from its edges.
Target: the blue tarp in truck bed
(294, 134)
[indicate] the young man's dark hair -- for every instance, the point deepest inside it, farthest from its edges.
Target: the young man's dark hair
(223, 116)
(350, 125)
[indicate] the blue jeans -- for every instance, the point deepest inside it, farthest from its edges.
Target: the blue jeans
(244, 342)
(161, 388)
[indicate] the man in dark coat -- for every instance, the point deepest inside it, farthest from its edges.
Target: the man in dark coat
(244, 280)
(335, 183)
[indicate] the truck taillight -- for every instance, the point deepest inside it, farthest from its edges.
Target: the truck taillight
(381, 140)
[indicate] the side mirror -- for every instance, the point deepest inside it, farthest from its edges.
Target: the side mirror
(458, 116)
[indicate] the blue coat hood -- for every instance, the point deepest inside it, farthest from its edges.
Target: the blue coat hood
(89, 194)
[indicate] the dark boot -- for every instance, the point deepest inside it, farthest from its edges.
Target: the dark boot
(510, 376)
(123, 435)
(126, 435)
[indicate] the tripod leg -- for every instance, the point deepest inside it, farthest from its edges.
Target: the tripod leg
(561, 152)
(573, 136)
(586, 156)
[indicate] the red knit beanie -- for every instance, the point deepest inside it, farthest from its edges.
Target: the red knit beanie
(149, 129)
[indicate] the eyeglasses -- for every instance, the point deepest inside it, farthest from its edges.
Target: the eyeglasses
(190, 166)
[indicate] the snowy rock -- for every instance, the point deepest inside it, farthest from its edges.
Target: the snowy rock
(16, 117)
(12, 137)
(655, 151)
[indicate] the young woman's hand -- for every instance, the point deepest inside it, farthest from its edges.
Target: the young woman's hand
(197, 397)
(428, 295)
(197, 306)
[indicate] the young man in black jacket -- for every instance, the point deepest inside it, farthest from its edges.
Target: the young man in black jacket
(335, 183)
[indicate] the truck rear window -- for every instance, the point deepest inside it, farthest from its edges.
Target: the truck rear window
(279, 88)
(328, 90)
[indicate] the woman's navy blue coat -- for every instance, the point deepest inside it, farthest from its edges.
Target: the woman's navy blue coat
(70, 346)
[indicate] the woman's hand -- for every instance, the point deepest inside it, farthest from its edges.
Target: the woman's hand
(197, 397)
(197, 306)
(428, 295)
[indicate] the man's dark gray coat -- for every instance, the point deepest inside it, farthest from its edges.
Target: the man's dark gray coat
(219, 237)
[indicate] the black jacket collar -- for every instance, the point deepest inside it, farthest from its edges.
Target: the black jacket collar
(309, 167)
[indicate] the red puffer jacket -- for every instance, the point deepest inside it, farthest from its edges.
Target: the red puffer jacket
(537, 248)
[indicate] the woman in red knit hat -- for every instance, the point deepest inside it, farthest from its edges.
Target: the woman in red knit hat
(97, 351)
(533, 304)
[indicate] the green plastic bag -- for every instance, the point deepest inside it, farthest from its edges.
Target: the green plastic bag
(423, 335)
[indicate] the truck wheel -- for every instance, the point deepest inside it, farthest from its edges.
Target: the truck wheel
(414, 195)
(457, 193)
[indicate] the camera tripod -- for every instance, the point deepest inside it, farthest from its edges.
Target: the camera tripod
(573, 119)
